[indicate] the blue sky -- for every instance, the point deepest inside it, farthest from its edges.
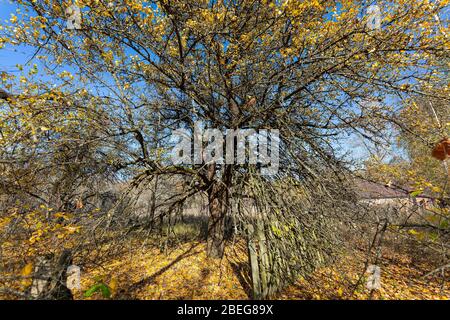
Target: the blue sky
(10, 57)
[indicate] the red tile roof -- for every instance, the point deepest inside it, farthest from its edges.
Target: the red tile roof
(373, 190)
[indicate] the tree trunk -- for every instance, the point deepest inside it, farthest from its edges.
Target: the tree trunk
(218, 199)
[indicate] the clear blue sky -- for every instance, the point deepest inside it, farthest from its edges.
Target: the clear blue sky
(10, 57)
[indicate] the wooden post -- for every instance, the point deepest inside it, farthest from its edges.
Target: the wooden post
(263, 258)
(253, 257)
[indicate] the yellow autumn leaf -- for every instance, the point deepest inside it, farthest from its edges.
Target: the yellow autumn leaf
(26, 271)
(13, 18)
(113, 285)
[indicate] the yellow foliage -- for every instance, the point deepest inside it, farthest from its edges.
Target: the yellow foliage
(26, 272)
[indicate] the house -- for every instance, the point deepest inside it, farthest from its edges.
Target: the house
(389, 194)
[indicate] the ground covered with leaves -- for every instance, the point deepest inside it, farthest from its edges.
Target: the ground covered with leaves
(185, 272)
